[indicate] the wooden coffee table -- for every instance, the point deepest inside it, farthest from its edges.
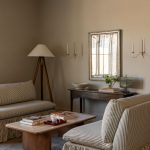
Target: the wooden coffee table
(38, 137)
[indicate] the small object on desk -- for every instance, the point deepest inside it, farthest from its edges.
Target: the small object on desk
(109, 90)
(58, 122)
(33, 120)
(30, 123)
(61, 117)
(64, 115)
(83, 85)
(126, 82)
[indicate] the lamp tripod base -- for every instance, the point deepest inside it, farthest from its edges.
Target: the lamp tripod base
(43, 70)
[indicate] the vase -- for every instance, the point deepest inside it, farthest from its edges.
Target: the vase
(110, 86)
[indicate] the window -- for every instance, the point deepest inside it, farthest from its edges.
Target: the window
(104, 54)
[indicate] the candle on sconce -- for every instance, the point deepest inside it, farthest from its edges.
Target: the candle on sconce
(141, 52)
(75, 50)
(143, 45)
(67, 52)
(132, 48)
(143, 48)
(82, 49)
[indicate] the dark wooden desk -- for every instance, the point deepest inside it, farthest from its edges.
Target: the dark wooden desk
(94, 95)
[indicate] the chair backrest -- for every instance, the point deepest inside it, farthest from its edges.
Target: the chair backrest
(17, 92)
(133, 132)
(113, 114)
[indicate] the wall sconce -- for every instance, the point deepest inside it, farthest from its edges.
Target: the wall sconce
(75, 51)
(142, 52)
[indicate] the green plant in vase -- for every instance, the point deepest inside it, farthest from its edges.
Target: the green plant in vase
(111, 80)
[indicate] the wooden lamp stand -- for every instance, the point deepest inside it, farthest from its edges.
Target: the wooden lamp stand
(42, 65)
(41, 51)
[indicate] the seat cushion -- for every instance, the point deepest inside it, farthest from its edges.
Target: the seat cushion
(114, 111)
(17, 92)
(24, 108)
(88, 135)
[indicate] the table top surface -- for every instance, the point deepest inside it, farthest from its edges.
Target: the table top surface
(80, 117)
(96, 91)
(102, 92)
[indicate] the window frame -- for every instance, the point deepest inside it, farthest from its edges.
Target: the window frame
(119, 64)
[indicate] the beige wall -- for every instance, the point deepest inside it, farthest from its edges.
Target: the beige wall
(70, 21)
(24, 23)
(18, 35)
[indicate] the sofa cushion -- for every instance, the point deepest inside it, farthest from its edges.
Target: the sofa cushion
(24, 108)
(17, 92)
(113, 113)
(88, 135)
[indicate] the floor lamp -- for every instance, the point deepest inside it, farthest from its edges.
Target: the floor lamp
(41, 51)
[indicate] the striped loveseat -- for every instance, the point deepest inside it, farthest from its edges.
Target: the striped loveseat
(125, 126)
(18, 100)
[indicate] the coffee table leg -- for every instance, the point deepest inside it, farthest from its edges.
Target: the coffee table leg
(36, 141)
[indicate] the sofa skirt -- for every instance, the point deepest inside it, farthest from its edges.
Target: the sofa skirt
(73, 146)
(7, 134)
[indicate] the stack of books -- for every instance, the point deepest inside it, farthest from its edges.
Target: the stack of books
(33, 120)
(109, 90)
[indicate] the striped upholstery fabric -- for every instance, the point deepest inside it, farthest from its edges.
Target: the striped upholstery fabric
(24, 108)
(73, 146)
(8, 134)
(113, 113)
(111, 118)
(17, 92)
(133, 132)
(88, 135)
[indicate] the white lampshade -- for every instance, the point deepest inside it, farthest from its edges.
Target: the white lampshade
(41, 50)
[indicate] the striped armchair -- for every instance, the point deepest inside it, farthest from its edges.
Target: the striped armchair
(125, 126)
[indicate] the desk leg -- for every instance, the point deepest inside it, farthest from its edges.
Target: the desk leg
(83, 101)
(81, 105)
(71, 102)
